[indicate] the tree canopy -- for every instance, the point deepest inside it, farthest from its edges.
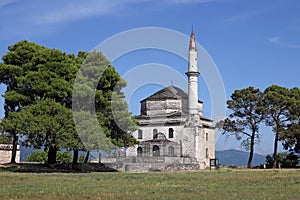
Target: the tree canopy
(38, 99)
(277, 106)
(244, 121)
(283, 108)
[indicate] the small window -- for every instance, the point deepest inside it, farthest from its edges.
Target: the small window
(139, 151)
(206, 153)
(206, 136)
(171, 133)
(171, 151)
(155, 133)
(140, 134)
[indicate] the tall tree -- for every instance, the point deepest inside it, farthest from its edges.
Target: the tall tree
(39, 94)
(291, 135)
(247, 114)
(99, 102)
(33, 74)
(278, 100)
(48, 124)
(9, 71)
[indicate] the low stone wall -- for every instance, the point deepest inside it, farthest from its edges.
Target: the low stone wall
(5, 153)
(179, 167)
(144, 164)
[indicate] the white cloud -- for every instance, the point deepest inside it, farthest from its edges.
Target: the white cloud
(245, 15)
(274, 40)
(35, 16)
(36, 12)
(251, 13)
(78, 9)
(5, 2)
(57, 11)
(277, 41)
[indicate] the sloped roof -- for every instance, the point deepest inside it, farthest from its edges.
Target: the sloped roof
(171, 92)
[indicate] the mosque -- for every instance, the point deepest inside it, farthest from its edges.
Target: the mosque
(172, 130)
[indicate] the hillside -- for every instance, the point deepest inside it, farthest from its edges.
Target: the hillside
(238, 158)
(26, 151)
(228, 157)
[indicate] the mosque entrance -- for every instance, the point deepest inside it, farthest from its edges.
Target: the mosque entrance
(156, 150)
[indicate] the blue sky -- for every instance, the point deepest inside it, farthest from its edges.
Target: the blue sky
(253, 43)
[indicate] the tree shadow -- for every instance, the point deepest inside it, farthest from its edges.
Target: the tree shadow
(56, 168)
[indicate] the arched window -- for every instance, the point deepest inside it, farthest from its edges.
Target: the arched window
(206, 136)
(171, 133)
(155, 133)
(171, 151)
(206, 153)
(139, 151)
(140, 134)
(156, 151)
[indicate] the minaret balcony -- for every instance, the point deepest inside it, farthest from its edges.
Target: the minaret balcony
(192, 74)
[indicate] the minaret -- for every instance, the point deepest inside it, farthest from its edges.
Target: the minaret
(193, 82)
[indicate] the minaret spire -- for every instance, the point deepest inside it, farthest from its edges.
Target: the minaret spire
(192, 41)
(193, 74)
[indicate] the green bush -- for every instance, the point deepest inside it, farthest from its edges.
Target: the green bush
(42, 156)
(286, 160)
(63, 157)
(37, 156)
(81, 158)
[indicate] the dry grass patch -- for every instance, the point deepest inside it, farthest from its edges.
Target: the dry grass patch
(223, 184)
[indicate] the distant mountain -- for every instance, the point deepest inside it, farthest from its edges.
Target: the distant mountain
(238, 158)
(25, 152)
(228, 157)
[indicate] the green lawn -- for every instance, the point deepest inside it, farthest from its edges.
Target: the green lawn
(222, 184)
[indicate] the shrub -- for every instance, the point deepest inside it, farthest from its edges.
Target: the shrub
(37, 156)
(63, 157)
(286, 160)
(42, 156)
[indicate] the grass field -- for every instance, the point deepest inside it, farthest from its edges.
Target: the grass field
(222, 184)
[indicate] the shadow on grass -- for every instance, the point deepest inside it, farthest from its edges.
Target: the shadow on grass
(57, 168)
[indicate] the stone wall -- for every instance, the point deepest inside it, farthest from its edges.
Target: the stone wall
(147, 133)
(161, 107)
(145, 164)
(5, 153)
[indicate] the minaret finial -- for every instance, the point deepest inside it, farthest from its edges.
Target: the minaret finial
(192, 40)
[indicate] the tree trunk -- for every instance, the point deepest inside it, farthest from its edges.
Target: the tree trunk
(14, 149)
(87, 157)
(75, 158)
(252, 142)
(275, 157)
(52, 155)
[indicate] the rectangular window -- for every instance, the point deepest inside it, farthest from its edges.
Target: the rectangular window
(140, 134)
(171, 133)
(206, 152)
